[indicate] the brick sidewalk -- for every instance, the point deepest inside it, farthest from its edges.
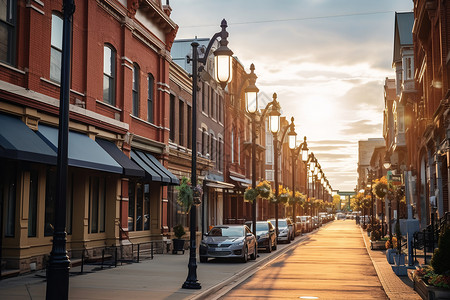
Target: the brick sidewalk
(395, 287)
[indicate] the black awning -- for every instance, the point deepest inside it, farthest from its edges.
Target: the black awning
(18, 141)
(155, 171)
(138, 157)
(83, 151)
(130, 168)
(173, 179)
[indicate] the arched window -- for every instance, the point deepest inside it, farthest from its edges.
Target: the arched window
(56, 47)
(150, 103)
(109, 75)
(136, 72)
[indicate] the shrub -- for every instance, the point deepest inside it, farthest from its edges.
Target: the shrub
(178, 231)
(441, 257)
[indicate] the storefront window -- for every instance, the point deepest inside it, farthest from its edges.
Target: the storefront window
(32, 205)
(97, 199)
(138, 206)
(50, 198)
(8, 200)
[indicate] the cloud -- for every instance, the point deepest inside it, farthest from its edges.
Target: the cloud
(362, 127)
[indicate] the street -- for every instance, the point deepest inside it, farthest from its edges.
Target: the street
(332, 264)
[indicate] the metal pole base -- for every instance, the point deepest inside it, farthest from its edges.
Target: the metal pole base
(192, 285)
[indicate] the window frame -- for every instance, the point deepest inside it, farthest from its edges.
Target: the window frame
(150, 98)
(54, 47)
(111, 77)
(135, 90)
(11, 28)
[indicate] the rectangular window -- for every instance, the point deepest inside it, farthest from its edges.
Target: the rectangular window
(189, 127)
(204, 90)
(181, 123)
(220, 109)
(131, 205)
(219, 146)
(172, 118)
(138, 206)
(8, 31)
(109, 71)
(9, 196)
(151, 82)
(32, 203)
(56, 48)
(213, 105)
(136, 73)
(97, 204)
(50, 198)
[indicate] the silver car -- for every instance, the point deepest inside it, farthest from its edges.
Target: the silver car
(286, 230)
(228, 241)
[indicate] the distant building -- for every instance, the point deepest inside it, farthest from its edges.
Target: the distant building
(365, 151)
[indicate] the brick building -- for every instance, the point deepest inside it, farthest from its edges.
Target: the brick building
(119, 106)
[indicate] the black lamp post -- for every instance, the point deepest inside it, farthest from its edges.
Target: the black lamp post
(59, 263)
(303, 147)
(223, 74)
(251, 101)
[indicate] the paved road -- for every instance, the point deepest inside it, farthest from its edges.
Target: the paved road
(332, 264)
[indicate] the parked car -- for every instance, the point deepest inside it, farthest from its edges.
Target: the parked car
(285, 228)
(229, 241)
(305, 223)
(340, 216)
(265, 235)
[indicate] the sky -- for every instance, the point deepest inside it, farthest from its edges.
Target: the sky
(326, 60)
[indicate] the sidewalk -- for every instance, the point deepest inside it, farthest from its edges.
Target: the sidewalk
(160, 278)
(395, 287)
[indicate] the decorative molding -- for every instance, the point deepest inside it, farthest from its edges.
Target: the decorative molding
(12, 68)
(108, 105)
(29, 5)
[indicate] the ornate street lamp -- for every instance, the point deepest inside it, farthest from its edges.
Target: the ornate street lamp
(223, 74)
(274, 126)
(303, 147)
(251, 103)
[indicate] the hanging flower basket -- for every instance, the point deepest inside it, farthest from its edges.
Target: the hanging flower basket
(380, 188)
(185, 197)
(197, 191)
(264, 189)
(250, 194)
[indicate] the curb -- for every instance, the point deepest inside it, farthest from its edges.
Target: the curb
(249, 271)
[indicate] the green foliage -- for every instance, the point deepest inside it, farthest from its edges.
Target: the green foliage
(441, 258)
(178, 231)
(250, 194)
(185, 194)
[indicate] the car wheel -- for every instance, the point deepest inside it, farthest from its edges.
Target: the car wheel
(254, 254)
(203, 259)
(274, 246)
(245, 255)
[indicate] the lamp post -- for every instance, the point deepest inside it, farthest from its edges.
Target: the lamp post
(251, 101)
(222, 74)
(303, 147)
(59, 263)
(274, 126)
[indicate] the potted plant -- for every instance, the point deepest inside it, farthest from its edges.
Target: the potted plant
(178, 243)
(433, 282)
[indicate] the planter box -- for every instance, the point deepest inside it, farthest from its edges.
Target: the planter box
(399, 259)
(178, 245)
(390, 255)
(429, 292)
(378, 245)
(400, 270)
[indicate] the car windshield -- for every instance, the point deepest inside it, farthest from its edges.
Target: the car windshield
(262, 227)
(281, 223)
(227, 231)
(303, 219)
